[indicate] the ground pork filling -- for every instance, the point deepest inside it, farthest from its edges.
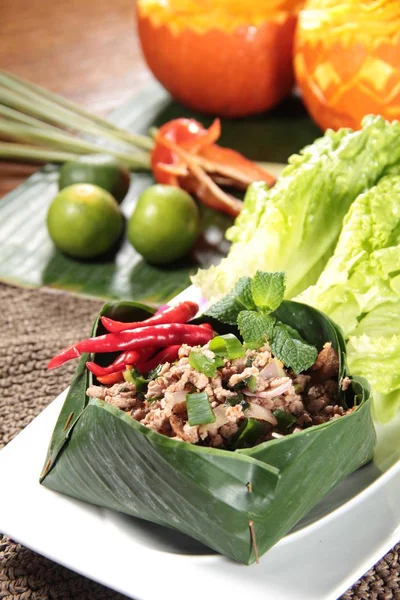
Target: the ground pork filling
(281, 401)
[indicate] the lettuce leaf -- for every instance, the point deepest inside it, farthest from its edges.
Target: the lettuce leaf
(294, 226)
(378, 360)
(363, 272)
(360, 290)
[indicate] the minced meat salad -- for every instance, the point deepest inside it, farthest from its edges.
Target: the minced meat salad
(254, 388)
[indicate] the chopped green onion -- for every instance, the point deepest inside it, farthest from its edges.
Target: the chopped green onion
(219, 362)
(152, 400)
(284, 418)
(238, 399)
(133, 376)
(199, 409)
(235, 399)
(154, 373)
(202, 363)
(249, 361)
(129, 378)
(251, 383)
(249, 433)
(227, 345)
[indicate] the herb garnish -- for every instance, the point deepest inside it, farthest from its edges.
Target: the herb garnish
(249, 306)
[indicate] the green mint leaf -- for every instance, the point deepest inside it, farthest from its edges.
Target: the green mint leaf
(293, 332)
(228, 308)
(268, 289)
(255, 327)
(292, 350)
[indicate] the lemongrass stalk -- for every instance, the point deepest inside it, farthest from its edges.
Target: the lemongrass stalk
(141, 141)
(59, 116)
(153, 132)
(146, 144)
(96, 124)
(9, 151)
(139, 156)
(54, 139)
(19, 117)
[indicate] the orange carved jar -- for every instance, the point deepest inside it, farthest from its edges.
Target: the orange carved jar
(347, 60)
(222, 57)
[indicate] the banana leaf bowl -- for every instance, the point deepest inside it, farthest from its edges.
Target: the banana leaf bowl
(239, 503)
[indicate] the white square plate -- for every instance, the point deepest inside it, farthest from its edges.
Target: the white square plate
(345, 534)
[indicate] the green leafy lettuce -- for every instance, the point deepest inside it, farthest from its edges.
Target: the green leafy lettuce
(294, 226)
(360, 290)
(250, 305)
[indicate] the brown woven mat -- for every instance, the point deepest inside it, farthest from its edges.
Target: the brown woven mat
(34, 324)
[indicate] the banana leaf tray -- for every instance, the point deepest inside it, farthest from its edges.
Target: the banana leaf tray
(240, 502)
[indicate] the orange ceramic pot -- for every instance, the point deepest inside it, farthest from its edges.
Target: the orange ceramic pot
(347, 60)
(222, 57)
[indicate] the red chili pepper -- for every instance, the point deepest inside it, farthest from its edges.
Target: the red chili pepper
(180, 313)
(206, 326)
(168, 354)
(120, 363)
(234, 165)
(111, 378)
(144, 337)
(185, 155)
(188, 134)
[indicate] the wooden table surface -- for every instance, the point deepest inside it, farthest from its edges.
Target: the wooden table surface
(86, 50)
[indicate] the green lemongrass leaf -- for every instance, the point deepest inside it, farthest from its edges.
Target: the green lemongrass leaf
(268, 289)
(228, 346)
(33, 90)
(249, 432)
(202, 363)
(284, 418)
(228, 308)
(256, 328)
(199, 409)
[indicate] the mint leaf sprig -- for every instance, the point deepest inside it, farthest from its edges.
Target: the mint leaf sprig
(249, 306)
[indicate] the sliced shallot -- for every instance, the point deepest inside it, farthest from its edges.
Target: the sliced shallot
(256, 411)
(273, 393)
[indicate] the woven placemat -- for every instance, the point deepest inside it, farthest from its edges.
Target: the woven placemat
(35, 323)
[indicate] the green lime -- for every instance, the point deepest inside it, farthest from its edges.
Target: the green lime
(84, 220)
(98, 169)
(164, 224)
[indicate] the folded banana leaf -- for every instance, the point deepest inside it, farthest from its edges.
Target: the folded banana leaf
(240, 502)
